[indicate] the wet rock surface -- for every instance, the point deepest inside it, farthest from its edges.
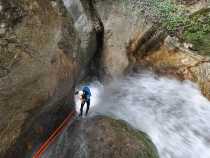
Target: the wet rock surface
(40, 63)
(102, 137)
(90, 29)
(173, 59)
(120, 25)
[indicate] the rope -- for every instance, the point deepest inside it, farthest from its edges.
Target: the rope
(53, 136)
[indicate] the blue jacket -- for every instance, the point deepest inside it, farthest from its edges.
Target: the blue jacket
(87, 92)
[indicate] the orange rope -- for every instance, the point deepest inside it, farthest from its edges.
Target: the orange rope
(54, 135)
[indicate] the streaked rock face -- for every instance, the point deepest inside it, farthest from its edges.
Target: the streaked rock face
(120, 25)
(40, 63)
(90, 30)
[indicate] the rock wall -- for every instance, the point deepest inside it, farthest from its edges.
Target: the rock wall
(41, 58)
(173, 59)
(91, 31)
(153, 49)
(121, 23)
(166, 55)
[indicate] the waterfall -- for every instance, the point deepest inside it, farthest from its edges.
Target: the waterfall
(173, 113)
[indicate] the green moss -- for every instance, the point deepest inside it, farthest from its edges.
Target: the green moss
(149, 150)
(177, 21)
(197, 31)
(172, 16)
(194, 29)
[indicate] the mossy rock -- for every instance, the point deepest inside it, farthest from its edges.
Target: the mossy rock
(122, 129)
(103, 137)
(198, 31)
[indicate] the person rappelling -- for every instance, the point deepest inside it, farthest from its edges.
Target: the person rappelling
(84, 95)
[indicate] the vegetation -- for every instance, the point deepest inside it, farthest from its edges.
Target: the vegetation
(148, 149)
(171, 16)
(193, 28)
(197, 31)
(177, 21)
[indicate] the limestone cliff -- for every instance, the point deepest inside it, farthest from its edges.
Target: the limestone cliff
(41, 58)
(90, 28)
(121, 23)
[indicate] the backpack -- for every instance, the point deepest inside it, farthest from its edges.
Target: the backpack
(87, 92)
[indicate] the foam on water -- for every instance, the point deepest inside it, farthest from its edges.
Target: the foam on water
(174, 114)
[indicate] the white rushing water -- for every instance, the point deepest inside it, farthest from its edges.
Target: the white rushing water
(174, 114)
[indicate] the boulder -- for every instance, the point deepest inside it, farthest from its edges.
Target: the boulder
(102, 137)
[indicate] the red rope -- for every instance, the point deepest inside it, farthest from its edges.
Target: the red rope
(53, 136)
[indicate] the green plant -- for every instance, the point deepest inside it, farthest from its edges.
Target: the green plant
(175, 19)
(172, 16)
(197, 31)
